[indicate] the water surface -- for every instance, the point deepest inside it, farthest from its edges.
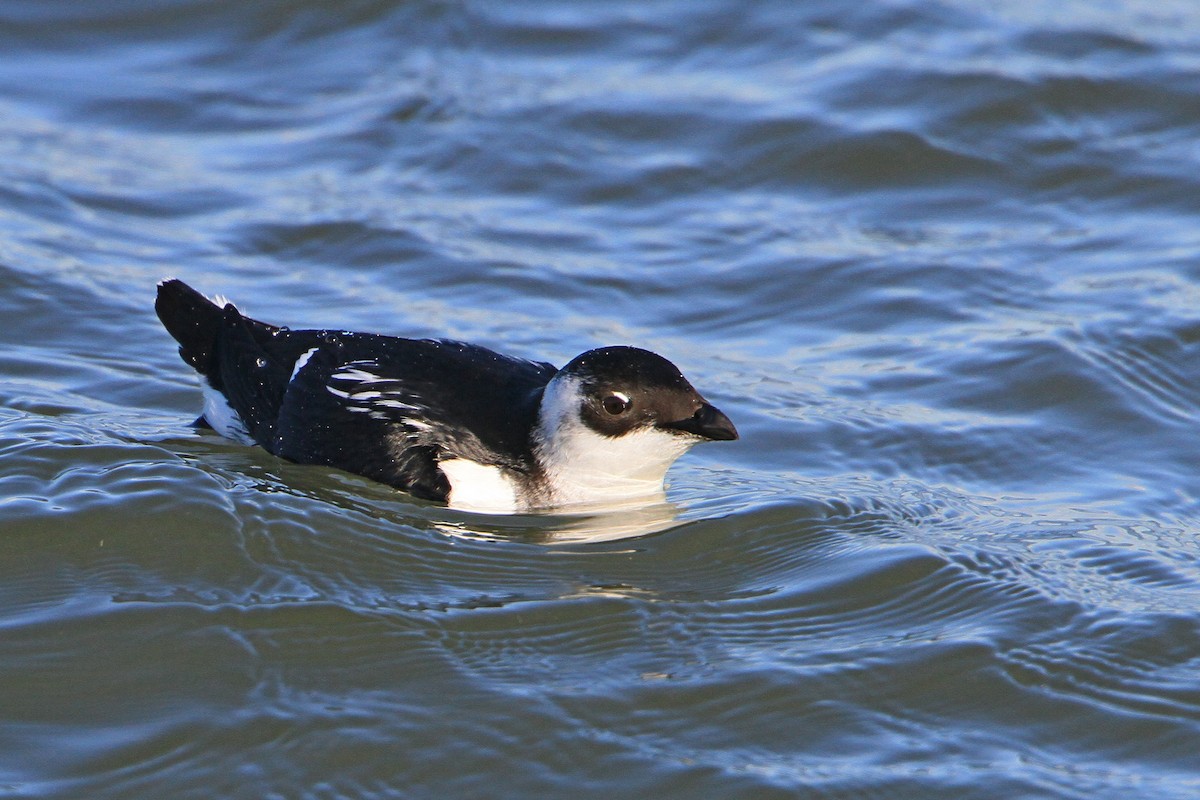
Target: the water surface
(937, 261)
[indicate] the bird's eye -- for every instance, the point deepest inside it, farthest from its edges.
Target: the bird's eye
(616, 403)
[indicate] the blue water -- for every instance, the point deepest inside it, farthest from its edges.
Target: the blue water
(938, 261)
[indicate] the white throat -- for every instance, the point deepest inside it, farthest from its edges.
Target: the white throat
(586, 467)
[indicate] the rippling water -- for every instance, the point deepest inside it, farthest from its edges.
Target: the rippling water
(937, 260)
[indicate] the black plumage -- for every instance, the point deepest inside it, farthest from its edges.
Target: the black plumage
(391, 416)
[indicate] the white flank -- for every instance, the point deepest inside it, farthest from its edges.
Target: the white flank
(585, 467)
(223, 419)
(478, 487)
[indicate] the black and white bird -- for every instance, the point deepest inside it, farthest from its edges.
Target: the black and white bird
(443, 420)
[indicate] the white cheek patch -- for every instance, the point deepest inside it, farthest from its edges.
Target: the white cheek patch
(586, 467)
(478, 487)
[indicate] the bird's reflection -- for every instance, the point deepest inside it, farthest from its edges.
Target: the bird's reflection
(580, 525)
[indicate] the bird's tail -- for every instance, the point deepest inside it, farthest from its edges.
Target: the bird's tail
(193, 320)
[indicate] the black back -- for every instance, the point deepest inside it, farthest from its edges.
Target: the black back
(384, 407)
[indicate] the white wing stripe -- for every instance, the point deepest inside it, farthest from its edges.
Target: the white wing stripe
(360, 397)
(301, 361)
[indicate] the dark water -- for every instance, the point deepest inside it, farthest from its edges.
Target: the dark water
(937, 260)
